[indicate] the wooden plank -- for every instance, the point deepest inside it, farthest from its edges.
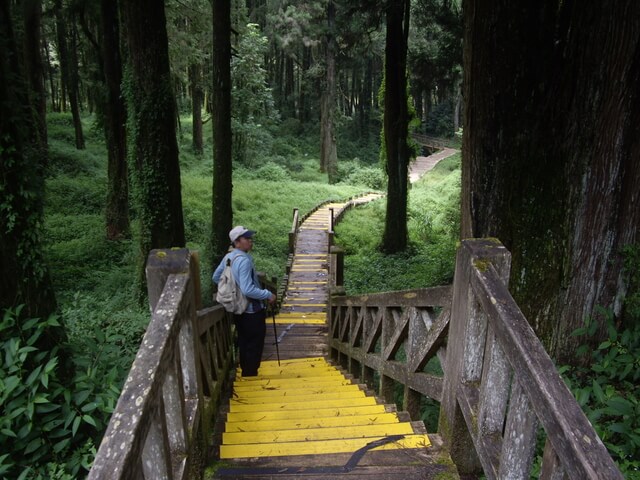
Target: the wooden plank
(320, 412)
(314, 434)
(298, 391)
(318, 447)
(421, 456)
(574, 439)
(312, 422)
(293, 397)
(317, 404)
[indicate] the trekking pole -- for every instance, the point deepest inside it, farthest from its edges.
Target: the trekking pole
(275, 332)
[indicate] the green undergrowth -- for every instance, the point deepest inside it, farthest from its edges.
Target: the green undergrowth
(608, 390)
(433, 224)
(94, 281)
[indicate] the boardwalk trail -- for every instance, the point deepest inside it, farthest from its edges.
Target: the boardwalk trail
(423, 164)
(304, 417)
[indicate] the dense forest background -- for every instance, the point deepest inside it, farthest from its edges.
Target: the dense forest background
(127, 126)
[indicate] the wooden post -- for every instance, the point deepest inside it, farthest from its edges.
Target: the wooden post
(330, 233)
(160, 264)
(411, 402)
(387, 384)
(293, 232)
(467, 336)
(337, 266)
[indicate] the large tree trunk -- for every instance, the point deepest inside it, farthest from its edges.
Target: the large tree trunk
(289, 90)
(222, 211)
(117, 211)
(24, 277)
(35, 72)
(396, 125)
(551, 153)
(152, 145)
(304, 113)
(69, 72)
(366, 101)
(328, 148)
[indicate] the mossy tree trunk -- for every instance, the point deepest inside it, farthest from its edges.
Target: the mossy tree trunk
(115, 113)
(24, 276)
(34, 66)
(396, 125)
(551, 153)
(328, 148)
(151, 128)
(222, 211)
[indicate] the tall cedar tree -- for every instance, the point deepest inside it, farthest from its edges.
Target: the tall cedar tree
(396, 125)
(24, 277)
(69, 69)
(34, 68)
(328, 148)
(551, 152)
(222, 211)
(152, 145)
(197, 97)
(117, 211)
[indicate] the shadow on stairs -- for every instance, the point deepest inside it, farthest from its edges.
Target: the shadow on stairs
(306, 419)
(302, 417)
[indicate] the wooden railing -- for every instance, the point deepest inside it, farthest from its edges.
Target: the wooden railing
(500, 391)
(428, 141)
(161, 427)
(334, 217)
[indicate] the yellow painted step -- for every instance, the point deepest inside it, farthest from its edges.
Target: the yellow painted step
(308, 389)
(313, 422)
(376, 409)
(264, 374)
(267, 400)
(318, 447)
(335, 433)
(310, 405)
(300, 322)
(303, 304)
(302, 315)
(284, 383)
(268, 370)
(296, 361)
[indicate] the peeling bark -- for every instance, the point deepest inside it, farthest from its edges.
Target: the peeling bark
(551, 152)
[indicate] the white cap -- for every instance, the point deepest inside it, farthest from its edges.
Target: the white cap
(240, 231)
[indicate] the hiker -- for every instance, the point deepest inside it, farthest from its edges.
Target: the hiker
(251, 324)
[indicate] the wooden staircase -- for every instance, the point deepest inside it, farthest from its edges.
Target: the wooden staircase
(304, 418)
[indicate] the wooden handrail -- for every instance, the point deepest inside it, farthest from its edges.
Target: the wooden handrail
(367, 332)
(161, 426)
(499, 384)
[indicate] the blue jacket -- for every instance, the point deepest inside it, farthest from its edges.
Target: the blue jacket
(245, 276)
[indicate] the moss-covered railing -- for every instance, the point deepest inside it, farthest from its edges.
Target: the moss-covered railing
(161, 427)
(500, 393)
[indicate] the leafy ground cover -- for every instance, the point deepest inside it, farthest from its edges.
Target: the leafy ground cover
(434, 225)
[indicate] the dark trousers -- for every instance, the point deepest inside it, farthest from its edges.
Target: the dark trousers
(251, 328)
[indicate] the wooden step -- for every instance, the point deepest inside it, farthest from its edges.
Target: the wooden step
(305, 418)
